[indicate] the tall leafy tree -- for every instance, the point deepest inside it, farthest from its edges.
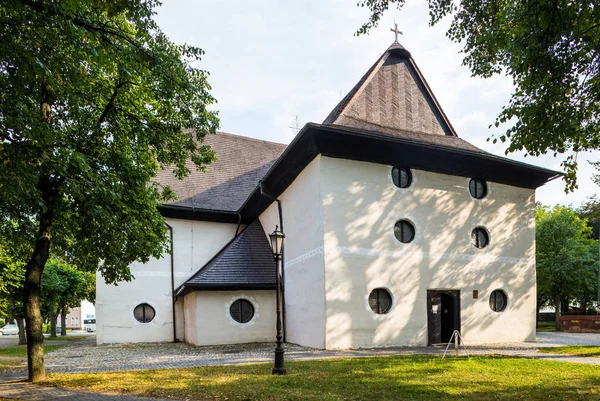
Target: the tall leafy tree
(14, 248)
(549, 49)
(94, 98)
(566, 256)
(63, 287)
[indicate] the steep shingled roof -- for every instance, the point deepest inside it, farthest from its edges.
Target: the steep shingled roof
(246, 262)
(394, 94)
(241, 163)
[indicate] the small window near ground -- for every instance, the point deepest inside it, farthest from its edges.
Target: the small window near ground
(404, 231)
(402, 177)
(242, 311)
(380, 301)
(498, 300)
(480, 237)
(478, 188)
(144, 313)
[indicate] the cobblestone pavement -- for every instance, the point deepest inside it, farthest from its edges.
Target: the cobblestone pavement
(85, 356)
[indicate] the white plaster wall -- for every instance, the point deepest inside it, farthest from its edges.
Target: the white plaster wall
(194, 243)
(208, 321)
(303, 251)
(190, 319)
(361, 206)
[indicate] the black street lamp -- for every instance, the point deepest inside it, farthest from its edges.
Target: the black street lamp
(277, 246)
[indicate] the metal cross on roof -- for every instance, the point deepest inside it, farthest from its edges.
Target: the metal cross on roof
(396, 31)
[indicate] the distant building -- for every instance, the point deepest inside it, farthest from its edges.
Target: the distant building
(76, 316)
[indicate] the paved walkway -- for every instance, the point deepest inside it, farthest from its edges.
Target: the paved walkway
(83, 357)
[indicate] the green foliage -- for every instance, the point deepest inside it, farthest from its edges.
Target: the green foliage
(566, 256)
(94, 98)
(12, 254)
(63, 286)
(549, 49)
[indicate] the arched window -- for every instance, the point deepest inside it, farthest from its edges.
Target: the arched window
(498, 300)
(380, 301)
(402, 177)
(404, 231)
(477, 188)
(144, 313)
(242, 311)
(480, 237)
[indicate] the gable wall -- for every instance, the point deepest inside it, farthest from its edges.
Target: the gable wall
(361, 206)
(195, 242)
(393, 99)
(304, 271)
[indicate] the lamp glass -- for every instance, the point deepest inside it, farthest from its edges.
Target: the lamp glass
(276, 241)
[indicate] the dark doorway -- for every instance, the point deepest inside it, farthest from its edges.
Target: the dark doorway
(443, 315)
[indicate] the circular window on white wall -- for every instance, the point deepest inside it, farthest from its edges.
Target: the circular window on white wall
(404, 231)
(498, 300)
(144, 313)
(380, 301)
(242, 311)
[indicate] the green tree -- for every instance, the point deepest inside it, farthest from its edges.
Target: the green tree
(590, 211)
(549, 49)
(63, 287)
(566, 256)
(14, 248)
(94, 98)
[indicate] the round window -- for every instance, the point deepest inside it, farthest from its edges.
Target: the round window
(480, 237)
(144, 313)
(404, 231)
(380, 301)
(477, 188)
(498, 300)
(242, 311)
(402, 177)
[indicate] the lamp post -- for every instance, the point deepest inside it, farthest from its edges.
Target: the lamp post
(277, 246)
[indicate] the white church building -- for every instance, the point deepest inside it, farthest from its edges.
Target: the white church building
(397, 232)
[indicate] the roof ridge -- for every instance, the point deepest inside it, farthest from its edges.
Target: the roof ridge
(250, 138)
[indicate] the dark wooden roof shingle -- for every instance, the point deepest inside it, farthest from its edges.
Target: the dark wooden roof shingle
(245, 263)
(241, 163)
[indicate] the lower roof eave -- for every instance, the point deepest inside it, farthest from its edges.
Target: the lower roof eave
(187, 288)
(190, 213)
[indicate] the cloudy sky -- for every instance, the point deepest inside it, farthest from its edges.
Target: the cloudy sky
(273, 60)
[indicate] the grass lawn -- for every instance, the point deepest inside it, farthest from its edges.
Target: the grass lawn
(575, 350)
(546, 326)
(13, 358)
(377, 378)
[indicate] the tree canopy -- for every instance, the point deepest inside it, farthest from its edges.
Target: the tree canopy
(64, 287)
(549, 49)
(94, 100)
(566, 256)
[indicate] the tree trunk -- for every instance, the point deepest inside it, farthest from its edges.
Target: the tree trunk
(564, 305)
(557, 311)
(31, 303)
(63, 322)
(537, 312)
(21, 326)
(53, 318)
(584, 306)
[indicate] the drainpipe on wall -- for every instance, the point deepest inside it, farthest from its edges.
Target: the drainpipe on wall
(266, 195)
(237, 230)
(173, 297)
